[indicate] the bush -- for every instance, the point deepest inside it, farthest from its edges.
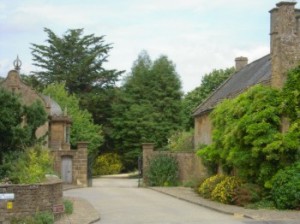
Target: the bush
(209, 185)
(32, 166)
(224, 192)
(38, 218)
(68, 206)
(108, 163)
(286, 187)
(162, 171)
(247, 193)
(181, 141)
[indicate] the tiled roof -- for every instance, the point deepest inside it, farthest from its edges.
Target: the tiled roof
(256, 72)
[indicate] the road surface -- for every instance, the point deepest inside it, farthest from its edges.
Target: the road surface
(120, 201)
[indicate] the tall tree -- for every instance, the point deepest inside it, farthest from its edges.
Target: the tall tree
(148, 108)
(78, 61)
(74, 58)
(209, 83)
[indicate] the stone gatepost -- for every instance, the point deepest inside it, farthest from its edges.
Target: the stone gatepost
(148, 149)
(82, 158)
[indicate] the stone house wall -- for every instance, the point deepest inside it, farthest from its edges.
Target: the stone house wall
(190, 165)
(203, 130)
(31, 198)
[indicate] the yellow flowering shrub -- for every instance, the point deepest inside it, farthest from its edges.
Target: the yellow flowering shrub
(108, 163)
(224, 192)
(209, 185)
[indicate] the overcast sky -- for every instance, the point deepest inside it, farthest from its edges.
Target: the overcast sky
(197, 35)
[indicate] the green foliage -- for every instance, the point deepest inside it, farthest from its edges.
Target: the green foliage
(209, 158)
(83, 128)
(38, 218)
(108, 163)
(74, 58)
(79, 60)
(68, 206)
(44, 218)
(247, 135)
(209, 184)
(224, 192)
(291, 94)
(263, 204)
(162, 171)
(210, 82)
(15, 134)
(286, 187)
(31, 166)
(181, 141)
(247, 193)
(147, 108)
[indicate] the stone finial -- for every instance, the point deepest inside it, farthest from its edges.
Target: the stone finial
(240, 62)
(17, 63)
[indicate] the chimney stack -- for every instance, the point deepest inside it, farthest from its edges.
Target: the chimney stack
(240, 62)
(285, 41)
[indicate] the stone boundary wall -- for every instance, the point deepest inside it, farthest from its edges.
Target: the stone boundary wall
(190, 165)
(30, 199)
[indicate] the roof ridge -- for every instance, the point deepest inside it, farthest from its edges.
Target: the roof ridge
(195, 112)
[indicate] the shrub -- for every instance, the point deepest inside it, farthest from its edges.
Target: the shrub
(209, 185)
(162, 171)
(38, 218)
(286, 187)
(32, 166)
(108, 163)
(247, 193)
(181, 141)
(68, 206)
(44, 218)
(224, 192)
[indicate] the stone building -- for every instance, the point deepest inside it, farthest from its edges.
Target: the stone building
(70, 164)
(269, 70)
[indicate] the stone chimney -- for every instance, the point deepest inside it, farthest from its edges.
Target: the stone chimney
(285, 44)
(240, 62)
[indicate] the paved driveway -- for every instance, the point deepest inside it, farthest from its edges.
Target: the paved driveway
(120, 201)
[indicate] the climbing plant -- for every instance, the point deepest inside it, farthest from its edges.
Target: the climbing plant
(247, 135)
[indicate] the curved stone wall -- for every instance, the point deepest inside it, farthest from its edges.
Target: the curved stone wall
(28, 199)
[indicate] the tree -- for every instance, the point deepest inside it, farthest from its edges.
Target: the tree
(78, 61)
(75, 59)
(210, 82)
(83, 128)
(148, 107)
(18, 123)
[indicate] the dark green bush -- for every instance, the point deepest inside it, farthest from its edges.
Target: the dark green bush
(162, 171)
(209, 185)
(286, 187)
(108, 163)
(68, 206)
(247, 193)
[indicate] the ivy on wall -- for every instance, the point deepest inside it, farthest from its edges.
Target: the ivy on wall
(247, 136)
